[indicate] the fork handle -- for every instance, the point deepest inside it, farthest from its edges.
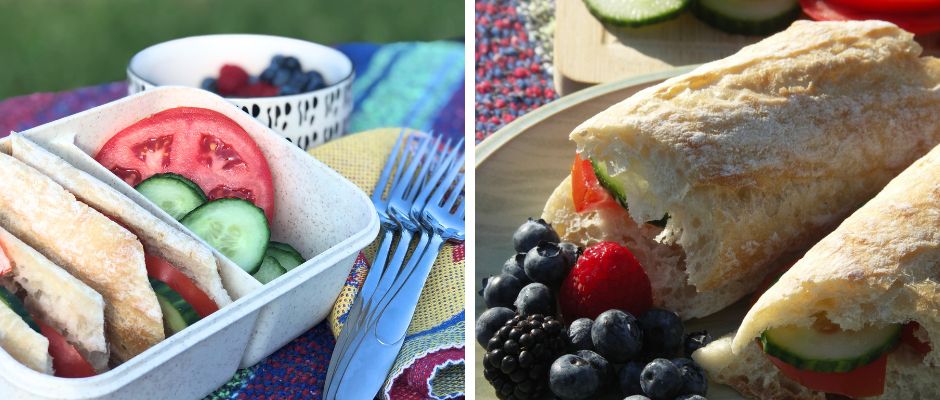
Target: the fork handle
(395, 318)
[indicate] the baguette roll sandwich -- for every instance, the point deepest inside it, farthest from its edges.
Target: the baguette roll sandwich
(51, 299)
(867, 293)
(188, 255)
(90, 246)
(746, 160)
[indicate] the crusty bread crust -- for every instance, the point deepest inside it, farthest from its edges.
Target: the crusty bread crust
(59, 299)
(752, 374)
(881, 265)
(23, 343)
(663, 263)
(765, 151)
(90, 246)
(191, 257)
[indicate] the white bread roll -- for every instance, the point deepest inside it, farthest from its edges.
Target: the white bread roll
(764, 152)
(23, 343)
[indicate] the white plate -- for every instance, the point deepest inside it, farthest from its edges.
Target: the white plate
(519, 167)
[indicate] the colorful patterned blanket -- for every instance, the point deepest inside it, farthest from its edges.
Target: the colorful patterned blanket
(415, 85)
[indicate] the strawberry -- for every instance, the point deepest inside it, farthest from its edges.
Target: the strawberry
(231, 78)
(607, 276)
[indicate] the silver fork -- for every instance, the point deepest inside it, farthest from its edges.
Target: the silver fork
(383, 338)
(397, 160)
(401, 197)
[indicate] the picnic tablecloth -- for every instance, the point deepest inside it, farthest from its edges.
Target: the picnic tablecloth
(415, 85)
(513, 61)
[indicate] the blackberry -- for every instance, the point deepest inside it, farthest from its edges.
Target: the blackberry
(519, 355)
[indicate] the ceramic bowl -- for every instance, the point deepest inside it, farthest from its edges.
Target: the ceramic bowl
(306, 119)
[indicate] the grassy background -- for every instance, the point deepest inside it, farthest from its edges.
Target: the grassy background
(51, 45)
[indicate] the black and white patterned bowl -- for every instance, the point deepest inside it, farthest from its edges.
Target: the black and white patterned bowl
(306, 119)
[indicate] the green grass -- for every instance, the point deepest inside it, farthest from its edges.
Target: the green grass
(51, 45)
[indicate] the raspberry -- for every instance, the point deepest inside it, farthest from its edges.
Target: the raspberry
(259, 89)
(607, 276)
(231, 78)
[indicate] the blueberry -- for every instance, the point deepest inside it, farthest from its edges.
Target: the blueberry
(573, 378)
(636, 397)
(288, 90)
(277, 60)
(662, 333)
(546, 264)
(661, 379)
(535, 298)
(501, 291)
(483, 285)
(617, 336)
(290, 63)
(579, 334)
(490, 322)
(281, 77)
(315, 81)
(571, 252)
(298, 80)
(695, 341)
(209, 84)
(513, 266)
(629, 378)
(691, 397)
(268, 74)
(604, 369)
(531, 233)
(693, 377)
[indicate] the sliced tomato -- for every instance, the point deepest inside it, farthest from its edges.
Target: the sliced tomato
(889, 6)
(165, 272)
(586, 191)
(203, 145)
(865, 381)
(6, 266)
(908, 338)
(66, 360)
(915, 22)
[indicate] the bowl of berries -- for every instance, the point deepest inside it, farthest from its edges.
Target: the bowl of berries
(299, 89)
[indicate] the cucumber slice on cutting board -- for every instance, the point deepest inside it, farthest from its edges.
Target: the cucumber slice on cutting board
(235, 227)
(177, 313)
(635, 13)
(289, 259)
(839, 351)
(17, 306)
(270, 270)
(172, 193)
(749, 17)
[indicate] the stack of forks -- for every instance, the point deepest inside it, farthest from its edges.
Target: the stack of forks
(419, 193)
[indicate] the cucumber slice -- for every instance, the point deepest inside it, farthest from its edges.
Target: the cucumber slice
(235, 227)
(822, 351)
(284, 246)
(17, 306)
(270, 270)
(635, 13)
(289, 259)
(172, 193)
(177, 313)
(615, 188)
(748, 17)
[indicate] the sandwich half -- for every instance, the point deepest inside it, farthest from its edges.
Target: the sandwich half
(861, 308)
(90, 246)
(723, 172)
(44, 304)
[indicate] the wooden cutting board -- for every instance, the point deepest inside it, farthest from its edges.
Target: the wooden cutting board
(587, 53)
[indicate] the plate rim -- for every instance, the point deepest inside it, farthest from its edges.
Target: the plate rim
(494, 142)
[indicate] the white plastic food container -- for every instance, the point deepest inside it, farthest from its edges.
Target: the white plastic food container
(326, 217)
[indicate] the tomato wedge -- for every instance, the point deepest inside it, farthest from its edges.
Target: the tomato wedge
(916, 22)
(586, 191)
(908, 338)
(66, 360)
(165, 272)
(864, 381)
(203, 145)
(889, 6)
